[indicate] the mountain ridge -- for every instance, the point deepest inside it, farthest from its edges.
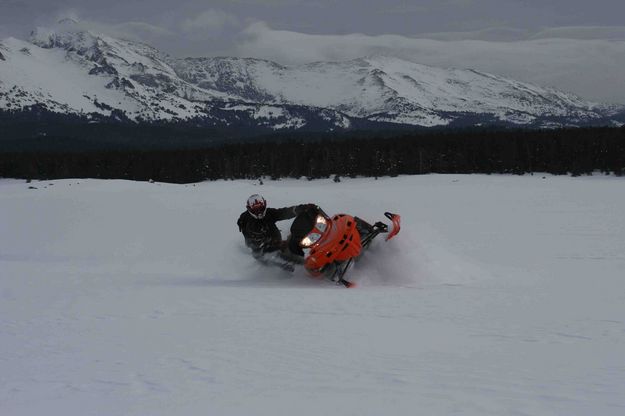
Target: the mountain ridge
(68, 70)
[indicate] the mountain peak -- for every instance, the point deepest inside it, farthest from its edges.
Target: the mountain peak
(64, 34)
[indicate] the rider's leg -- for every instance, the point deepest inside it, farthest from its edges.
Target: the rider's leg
(291, 251)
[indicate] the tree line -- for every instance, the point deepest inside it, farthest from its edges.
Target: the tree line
(575, 151)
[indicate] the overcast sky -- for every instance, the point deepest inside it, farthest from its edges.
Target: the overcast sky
(571, 44)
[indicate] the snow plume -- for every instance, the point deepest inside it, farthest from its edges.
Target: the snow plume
(399, 262)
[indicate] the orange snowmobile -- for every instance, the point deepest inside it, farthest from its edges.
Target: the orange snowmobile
(329, 245)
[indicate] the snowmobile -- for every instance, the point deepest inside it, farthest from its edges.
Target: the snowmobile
(327, 246)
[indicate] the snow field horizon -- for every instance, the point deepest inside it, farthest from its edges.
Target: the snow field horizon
(501, 295)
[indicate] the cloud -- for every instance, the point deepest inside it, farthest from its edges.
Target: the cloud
(183, 37)
(208, 23)
(582, 32)
(404, 9)
(204, 25)
(507, 34)
(591, 68)
(142, 30)
(423, 6)
(276, 3)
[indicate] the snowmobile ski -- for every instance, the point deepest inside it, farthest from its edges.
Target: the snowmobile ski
(396, 220)
(347, 284)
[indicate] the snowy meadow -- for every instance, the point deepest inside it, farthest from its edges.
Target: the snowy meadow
(501, 295)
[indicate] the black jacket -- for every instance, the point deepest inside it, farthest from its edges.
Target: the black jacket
(263, 234)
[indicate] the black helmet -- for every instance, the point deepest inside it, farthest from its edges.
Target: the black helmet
(256, 206)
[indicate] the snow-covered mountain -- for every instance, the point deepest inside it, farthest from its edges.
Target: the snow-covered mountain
(69, 70)
(388, 89)
(79, 72)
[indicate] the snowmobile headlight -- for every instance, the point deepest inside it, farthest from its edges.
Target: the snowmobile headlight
(310, 239)
(322, 223)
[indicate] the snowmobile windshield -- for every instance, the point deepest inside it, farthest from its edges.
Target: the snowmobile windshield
(321, 224)
(310, 239)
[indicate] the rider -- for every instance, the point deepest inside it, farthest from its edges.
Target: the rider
(258, 224)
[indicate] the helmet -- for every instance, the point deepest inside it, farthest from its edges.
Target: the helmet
(256, 206)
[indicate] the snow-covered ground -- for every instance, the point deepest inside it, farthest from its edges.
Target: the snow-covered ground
(502, 295)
